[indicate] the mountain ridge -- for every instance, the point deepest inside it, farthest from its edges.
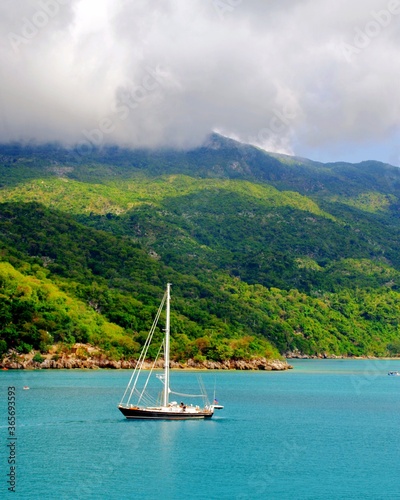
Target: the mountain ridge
(243, 162)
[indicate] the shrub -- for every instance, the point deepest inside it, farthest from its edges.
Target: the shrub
(24, 348)
(3, 347)
(38, 358)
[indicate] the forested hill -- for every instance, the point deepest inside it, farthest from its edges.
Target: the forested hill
(266, 252)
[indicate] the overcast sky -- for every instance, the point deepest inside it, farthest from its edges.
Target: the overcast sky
(318, 79)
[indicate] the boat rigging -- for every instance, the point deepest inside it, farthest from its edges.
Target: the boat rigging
(148, 408)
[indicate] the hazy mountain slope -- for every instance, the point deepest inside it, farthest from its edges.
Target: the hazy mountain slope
(219, 157)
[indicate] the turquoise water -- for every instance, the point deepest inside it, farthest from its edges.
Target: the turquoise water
(327, 430)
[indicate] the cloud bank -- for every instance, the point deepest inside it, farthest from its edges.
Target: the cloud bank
(293, 76)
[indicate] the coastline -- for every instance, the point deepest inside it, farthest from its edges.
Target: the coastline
(289, 356)
(94, 359)
(88, 357)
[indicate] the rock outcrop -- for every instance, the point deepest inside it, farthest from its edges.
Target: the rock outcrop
(83, 356)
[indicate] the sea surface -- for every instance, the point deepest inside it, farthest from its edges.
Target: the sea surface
(329, 429)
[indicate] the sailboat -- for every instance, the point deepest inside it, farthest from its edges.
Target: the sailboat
(164, 409)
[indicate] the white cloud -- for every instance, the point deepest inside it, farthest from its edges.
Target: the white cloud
(292, 76)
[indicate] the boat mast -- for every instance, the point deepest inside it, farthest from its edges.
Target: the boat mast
(166, 347)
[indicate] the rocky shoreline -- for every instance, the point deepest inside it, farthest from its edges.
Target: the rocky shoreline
(316, 356)
(297, 355)
(96, 360)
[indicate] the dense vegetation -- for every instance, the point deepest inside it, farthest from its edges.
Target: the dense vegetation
(266, 253)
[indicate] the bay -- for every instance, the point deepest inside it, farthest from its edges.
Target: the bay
(327, 429)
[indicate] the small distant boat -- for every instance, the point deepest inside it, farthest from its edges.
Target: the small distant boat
(26, 388)
(164, 409)
(394, 374)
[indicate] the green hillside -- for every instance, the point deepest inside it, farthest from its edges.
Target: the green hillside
(266, 253)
